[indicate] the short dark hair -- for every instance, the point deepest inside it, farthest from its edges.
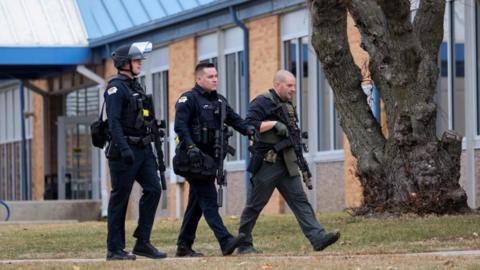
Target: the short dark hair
(201, 66)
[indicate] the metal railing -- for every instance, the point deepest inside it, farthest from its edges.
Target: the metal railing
(7, 210)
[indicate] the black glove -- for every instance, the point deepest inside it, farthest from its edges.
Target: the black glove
(282, 129)
(250, 130)
(128, 156)
(195, 156)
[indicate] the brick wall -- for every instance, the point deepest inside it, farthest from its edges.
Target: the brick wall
(109, 71)
(182, 61)
(264, 44)
(477, 176)
(330, 186)
(171, 190)
(38, 142)
(234, 194)
(181, 66)
(353, 188)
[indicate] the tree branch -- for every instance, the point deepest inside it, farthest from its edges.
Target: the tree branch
(329, 39)
(395, 52)
(397, 13)
(428, 25)
(372, 24)
(428, 29)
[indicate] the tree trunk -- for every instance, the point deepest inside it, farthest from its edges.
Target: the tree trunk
(415, 176)
(411, 170)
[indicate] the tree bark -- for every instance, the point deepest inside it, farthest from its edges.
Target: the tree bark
(411, 170)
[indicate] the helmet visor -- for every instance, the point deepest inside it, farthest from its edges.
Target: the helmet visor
(139, 49)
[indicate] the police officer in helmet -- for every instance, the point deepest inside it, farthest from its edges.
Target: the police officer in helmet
(130, 154)
(196, 122)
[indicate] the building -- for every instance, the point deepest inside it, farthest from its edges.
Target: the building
(54, 82)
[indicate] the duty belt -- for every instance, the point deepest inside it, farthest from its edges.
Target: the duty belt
(142, 141)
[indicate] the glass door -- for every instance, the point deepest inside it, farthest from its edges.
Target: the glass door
(78, 160)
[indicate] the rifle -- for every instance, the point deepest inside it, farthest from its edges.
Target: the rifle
(158, 132)
(294, 140)
(222, 148)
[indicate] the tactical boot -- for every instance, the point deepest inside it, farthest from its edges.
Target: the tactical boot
(146, 249)
(247, 250)
(232, 244)
(119, 255)
(184, 251)
(327, 240)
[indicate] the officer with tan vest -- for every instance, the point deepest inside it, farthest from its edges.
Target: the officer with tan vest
(279, 170)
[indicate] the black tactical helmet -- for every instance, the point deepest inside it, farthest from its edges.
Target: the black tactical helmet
(124, 54)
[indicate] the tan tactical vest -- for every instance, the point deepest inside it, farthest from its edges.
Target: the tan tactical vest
(271, 137)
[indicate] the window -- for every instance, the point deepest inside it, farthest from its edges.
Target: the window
(234, 88)
(451, 104)
(228, 61)
(11, 184)
(142, 81)
(442, 93)
(154, 79)
(160, 96)
(212, 60)
(83, 102)
(330, 135)
(207, 48)
(3, 116)
(314, 99)
(296, 61)
(459, 89)
(207, 51)
(10, 115)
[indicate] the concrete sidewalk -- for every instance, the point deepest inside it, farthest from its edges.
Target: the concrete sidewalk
(455, 253)
(451, 253)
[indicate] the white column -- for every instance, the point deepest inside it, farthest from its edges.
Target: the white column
(470, 101)
(103, 161)
(450, 14)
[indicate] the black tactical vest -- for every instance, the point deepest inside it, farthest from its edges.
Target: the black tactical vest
(206, 119)
(137, 113)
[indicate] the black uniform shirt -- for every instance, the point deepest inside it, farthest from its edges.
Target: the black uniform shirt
(199, 103)
(261, 109)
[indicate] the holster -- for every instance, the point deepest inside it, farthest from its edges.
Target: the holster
(271, 156)
(183, 167)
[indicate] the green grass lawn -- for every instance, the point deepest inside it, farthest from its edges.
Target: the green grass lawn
(277, 236)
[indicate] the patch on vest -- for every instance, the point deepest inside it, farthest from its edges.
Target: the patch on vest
(112, 90)
(182, 99)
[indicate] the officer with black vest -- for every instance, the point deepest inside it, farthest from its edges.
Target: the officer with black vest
(130, 155)
(272, 170)
(196, 121)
